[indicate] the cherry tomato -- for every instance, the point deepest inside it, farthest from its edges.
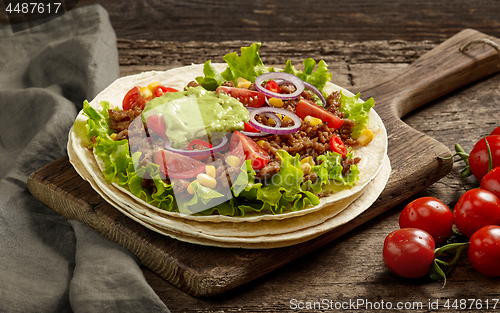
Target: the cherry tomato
(176, 165)
(251, 150)
(273, 86)
(305, 108)
(157, 125)
(491, 181)
(133, 99)
(199, 144)
(248, 98)
(476, 208)
(479, 159)
(496, 131)
(484, 250)
(428, 214)
(336, 145)
(409, 252)
(160, 90)
(249, 128)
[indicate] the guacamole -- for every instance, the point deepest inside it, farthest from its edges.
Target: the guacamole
(197, 113)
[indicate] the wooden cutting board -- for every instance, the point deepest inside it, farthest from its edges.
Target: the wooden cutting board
(205, 271)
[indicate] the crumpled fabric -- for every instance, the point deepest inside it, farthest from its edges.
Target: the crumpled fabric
(47, 263)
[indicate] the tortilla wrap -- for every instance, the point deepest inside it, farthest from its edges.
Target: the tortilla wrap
(372, 155)
(262, 235)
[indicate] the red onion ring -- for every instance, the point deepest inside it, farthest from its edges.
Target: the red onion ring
(309, 86)
(261, 133)
(205, 152)
(316, 91)
(299, 85)
(275, 130)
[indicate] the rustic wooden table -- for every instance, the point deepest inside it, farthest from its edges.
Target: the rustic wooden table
(362, 42)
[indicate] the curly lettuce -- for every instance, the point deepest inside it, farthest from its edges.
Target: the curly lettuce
(357, 111)
(249, 65)
(284, 192)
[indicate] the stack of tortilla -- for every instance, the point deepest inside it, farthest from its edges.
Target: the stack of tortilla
(254, 231)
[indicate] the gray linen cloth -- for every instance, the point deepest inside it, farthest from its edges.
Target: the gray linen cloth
(49, 264)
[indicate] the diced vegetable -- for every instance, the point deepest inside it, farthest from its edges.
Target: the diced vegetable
(206, 180)
(313, 121)
(275, 102)
(365, 137)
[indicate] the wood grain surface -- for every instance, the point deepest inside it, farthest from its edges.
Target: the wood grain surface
(297, 20)
(363, 74)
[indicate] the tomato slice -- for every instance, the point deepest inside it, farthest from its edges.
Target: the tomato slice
(251, 150)
(160, 90)
(305, 108)
(176, 165)
(248, 98)
(249, 128)
(336, 145)
(133, 99)
(273, 86)
(157, 125)
(199, 143)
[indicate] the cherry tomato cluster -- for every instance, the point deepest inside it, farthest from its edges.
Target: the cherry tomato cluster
(427, 222)
(137, 97)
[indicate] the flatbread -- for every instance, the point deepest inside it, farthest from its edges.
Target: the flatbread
(265, 234)
(372, 155)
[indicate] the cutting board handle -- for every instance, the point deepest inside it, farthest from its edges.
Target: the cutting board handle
(440, 71)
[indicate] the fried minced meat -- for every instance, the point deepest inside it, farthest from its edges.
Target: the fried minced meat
(307, 141)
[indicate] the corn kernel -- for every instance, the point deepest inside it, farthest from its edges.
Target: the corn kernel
(190, 189)
(152, 87)
(309, 160)
(206, 180)
(233, 161)
(313, 121)
(113, 136)
(275, 102)
(286, 118)
(306, 168)
(260, 142)
(365, 137)
(210, 170)
(146, 93)
(271, 122)
(242, 83)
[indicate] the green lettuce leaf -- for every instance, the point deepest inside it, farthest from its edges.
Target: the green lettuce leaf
(357, 111)
(329, 173)
(248, 65)
(317, 78)
(212, 78)
(120, 167)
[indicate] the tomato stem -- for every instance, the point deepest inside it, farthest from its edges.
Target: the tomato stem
(458, 248)
(466, 172)
(490, 158)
